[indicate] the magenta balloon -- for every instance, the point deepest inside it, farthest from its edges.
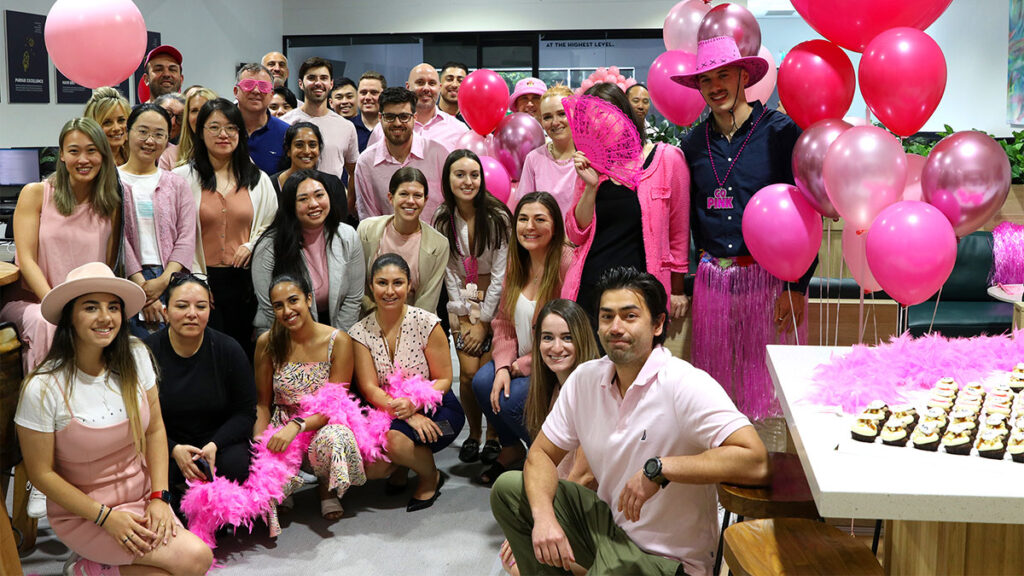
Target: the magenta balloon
(496, 178)
(732, 20)
(782, 231)
(517, 135)
(902, 77)
(816, 81)
(911, 249)
(854, 245)
(682, 23)
(97, 43)
(483, 100)
(679, 104)
(967, 177)
(475, 143)
(764, 87)
(809, 163)
(854, 23)
(915, 164)
(865, 171)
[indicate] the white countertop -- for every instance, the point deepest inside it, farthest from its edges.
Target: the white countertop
(852, 479)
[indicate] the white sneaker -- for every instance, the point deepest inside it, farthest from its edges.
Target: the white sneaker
(36, 503)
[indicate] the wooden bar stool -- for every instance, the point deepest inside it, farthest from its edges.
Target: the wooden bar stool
(10, 386)
(795, 546)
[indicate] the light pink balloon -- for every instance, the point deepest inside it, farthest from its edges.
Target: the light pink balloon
(902, 76)
(96, 43)
(854, 246)
(865, 171)
(967, 177)
(682, 23)
(915, 164)
(911, 249)
(809, 163)
(782, 231)
(479, 145)
(679, 104)
(496, 178)
(765, 86)
(732, 20)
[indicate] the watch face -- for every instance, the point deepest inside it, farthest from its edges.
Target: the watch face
(651, 467)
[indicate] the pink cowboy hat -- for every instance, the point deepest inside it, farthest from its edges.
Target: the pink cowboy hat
(87, 279)
(721, 51)
(524, 87)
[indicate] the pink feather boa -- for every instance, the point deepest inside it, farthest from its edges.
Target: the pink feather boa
(222, 502)
(887, 372)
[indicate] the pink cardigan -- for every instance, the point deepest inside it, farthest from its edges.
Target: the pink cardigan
(174, 212)
(664, 194)
(505, 343)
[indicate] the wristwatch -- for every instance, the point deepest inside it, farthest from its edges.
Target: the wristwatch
(652, 469)
(301, 422)
(164, 495)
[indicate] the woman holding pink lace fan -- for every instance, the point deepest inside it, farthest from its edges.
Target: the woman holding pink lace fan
(631, 205)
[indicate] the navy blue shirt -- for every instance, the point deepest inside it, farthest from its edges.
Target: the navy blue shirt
(266, 145)
(362, 132)
(716, 219)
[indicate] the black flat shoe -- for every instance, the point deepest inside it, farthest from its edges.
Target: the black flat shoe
(470, 451)
(417, 504)
(487, 477)
(490, 451)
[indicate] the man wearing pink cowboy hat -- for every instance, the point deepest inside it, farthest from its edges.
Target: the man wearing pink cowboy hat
(739, 307)
(526, 97)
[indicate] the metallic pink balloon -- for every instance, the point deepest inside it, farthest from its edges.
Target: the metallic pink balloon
(765, 87)
(682, 23)
(809, 163)
(732, 20)
(911, 249)
(865, 171)
(854, 246)
(915, 164)
(782, 231)
(475, 143)
(496, 178)
(517, 135)
(967, 177)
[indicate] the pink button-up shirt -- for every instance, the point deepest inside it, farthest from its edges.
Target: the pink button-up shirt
(376, 165)
(443, 128)
(672, 409)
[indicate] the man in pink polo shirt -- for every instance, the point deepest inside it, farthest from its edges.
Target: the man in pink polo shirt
(431, 121)
(401, 147)
(658, 433)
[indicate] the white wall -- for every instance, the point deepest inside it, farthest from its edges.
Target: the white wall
(213, 37)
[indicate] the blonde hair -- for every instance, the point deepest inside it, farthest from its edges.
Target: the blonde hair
(100, 104)
(106, 196)
(560, 90)
(186, 143)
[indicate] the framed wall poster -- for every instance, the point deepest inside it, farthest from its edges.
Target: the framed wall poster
(70, 92)
(1015, 65)
(28, 66)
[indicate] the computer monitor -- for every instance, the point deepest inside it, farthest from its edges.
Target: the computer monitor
(19, 166)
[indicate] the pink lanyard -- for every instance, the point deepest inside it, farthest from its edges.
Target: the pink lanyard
(469, 263)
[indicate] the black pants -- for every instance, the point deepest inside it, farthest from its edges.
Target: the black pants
(232, 463)
(234, 304)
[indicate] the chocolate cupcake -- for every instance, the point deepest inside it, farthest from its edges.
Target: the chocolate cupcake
(937, 416)
(1016, 383)
(865, 429)
(997, 408)
(965, 417)
(947, 387)
(991, 444)
(905, 413)
(926, 437)
(1015, 445)
(974, 388)
(957, 439)
(878, 410)
(941, 402)
(894, 433)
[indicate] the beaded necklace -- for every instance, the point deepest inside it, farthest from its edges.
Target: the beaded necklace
(720, 192)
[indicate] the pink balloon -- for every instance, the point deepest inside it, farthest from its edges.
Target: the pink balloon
(915, 164)
(911, 249)
(765, 86)
(865, 171)
(496, 178)
(902, 77)
(613, 70)
(679, 104)
(682, 23)
(517, 135)
(854, 23)
(809, 163)
(479, 145)
(97, 43)
(483, 100)
(732, 20)
(816, 81)
(782, 231)
(856, 121)
(854, 253)
(967, 177)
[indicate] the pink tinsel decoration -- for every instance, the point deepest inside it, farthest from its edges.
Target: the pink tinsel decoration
(222, 502)
(889, 371)
(1008, 254)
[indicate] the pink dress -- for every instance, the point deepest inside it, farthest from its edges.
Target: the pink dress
(65, 243)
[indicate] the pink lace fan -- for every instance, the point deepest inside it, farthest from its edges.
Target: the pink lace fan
(607, 136)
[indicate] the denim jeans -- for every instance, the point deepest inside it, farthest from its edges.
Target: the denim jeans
(510, 423)
(139, 328)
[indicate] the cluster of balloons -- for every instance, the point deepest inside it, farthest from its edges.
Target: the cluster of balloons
(95, 43)
(611, 75)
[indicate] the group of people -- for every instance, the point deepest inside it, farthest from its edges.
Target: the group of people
(266, 257)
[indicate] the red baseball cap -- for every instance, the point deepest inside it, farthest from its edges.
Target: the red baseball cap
(165, 49)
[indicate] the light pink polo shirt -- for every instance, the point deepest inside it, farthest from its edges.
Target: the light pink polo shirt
(376, 166)
(672, 409)
(443, 128)
(541, 172)
(341, 144)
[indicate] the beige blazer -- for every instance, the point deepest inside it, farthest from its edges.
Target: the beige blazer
(433, 260)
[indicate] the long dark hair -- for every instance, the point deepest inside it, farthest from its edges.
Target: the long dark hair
(279, 340)
(517, 273)
(612, 94)
(289, 137)
(247, 175)
(285, 231)
(493, 219)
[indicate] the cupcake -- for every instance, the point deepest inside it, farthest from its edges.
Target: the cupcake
(905, 413)
(865, 429)
(1015, 445)
(957, 439)
(937, 416)
(926, 437)
(970, 397)
(997, 408)
(1016, 383)
(894, 433)
(991, 444)
(941, 402)
(974, 388)
(995, 422)
(1018, 371)
(878, 410)
(947, 387)
(965, 417)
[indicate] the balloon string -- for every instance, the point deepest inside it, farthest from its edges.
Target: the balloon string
(824, 302)
(839, 302)
(792, 313)
(874, 318)
(860, 318)
(935, 310)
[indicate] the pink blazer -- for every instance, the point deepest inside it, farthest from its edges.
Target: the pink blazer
(174, 212)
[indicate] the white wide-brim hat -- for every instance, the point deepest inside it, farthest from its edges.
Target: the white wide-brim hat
(720, 51)
(87, 279)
